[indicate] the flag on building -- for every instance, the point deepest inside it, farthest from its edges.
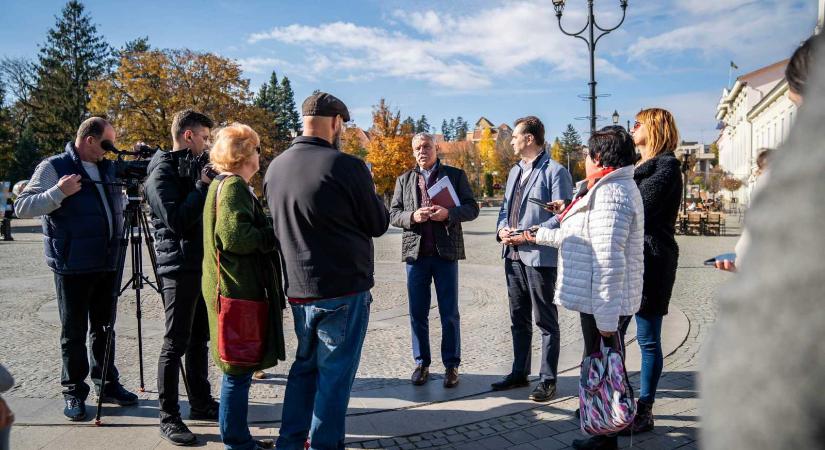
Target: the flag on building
(733, 66)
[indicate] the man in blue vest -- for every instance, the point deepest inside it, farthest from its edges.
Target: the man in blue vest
(82, 224)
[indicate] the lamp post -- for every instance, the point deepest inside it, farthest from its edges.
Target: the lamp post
(615, 117)
(590, 27)
(685, 170)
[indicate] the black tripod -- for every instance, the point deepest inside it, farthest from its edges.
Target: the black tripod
(135, 225)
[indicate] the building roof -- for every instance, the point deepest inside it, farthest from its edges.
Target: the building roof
(484, 122)
(767, 70)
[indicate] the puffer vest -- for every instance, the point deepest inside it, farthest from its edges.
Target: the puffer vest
(76, 236)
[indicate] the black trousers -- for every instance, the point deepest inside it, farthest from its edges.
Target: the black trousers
(84, 303)
(530, 290)
(593, 339)
(187, 333)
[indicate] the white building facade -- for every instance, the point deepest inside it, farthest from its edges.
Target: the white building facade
(755, 113)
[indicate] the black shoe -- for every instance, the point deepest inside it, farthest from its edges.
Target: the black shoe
(209, 413)
(543, 392)
(420, 375)
(116, 393)
(511, 381)
(643, 422)
(176, 432)
(264, 444)
(451, 377)
(75, 409)
(597, 443)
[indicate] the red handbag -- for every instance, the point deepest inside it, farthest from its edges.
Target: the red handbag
(241, 323)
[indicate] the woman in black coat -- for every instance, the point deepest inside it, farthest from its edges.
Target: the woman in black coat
(658, 175)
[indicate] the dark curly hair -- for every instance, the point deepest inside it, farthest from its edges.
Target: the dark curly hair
(801, 63)
(612, 146)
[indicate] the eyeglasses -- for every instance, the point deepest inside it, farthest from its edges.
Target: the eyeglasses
(258, 149)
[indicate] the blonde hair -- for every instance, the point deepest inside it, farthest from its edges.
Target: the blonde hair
(234, 144)
(662, 134)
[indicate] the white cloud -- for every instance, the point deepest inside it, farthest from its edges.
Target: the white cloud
(745, 34)
(464, 52)
(261, 65)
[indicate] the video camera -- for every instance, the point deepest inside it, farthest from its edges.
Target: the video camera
(135, 169)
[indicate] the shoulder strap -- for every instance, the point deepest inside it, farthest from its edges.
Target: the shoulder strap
(215, 239)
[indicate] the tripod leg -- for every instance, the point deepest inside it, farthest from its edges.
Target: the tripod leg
(121, 260)
(185, 381)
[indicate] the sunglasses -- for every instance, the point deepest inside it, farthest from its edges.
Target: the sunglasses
(258, 149)
(636, 125)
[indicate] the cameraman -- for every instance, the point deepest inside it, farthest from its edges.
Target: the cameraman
(82, 224)
(176, 189)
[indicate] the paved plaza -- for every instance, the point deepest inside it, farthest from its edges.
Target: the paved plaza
(386, 411)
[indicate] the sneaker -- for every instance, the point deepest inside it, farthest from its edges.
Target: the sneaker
(176, 432)
(116, 393)
(209, 413)
(75, 409)
(543, 392)
(511, 381)
(420, 375)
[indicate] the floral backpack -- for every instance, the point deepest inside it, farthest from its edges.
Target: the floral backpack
(605, 395)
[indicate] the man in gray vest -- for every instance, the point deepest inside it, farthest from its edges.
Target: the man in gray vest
(82, 224)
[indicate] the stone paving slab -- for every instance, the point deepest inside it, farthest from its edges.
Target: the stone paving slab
(385, 408)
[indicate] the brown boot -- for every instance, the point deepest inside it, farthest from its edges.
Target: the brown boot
(643, 422)
(420, 375)
(451, 377)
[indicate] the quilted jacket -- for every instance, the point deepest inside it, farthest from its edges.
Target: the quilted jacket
(601, 250)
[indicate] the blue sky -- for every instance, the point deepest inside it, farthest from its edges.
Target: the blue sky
(498, 59)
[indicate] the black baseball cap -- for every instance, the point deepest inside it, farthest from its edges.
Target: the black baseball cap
(324, 105)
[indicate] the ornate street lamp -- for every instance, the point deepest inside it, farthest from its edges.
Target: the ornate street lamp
(615, 117)
(590, 27)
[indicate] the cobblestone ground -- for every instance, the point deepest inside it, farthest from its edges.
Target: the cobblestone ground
(554, 426)
(29, 339)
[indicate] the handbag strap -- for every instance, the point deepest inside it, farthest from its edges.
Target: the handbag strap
(215, 238)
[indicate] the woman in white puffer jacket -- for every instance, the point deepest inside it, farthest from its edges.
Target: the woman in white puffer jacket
(601, 245)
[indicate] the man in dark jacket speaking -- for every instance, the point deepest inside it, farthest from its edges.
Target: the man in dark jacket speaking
(325, 213)
(431, 246)
(176, 191)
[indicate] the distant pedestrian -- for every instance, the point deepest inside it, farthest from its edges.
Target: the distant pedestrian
(531, 269)
(431, 246)
(325, 212)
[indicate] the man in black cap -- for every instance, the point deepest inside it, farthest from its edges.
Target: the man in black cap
(325, 213)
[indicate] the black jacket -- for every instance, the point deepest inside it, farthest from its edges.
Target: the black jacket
(449, 239)
(660, 183)
(177, 212)
(325, 213)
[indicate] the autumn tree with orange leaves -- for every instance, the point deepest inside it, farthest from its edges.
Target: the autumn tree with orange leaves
(390, 149)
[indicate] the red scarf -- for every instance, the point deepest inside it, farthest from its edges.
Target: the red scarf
(592, 179)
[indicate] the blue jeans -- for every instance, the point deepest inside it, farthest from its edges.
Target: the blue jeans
(419, 276)
(233, 410)
(330, 336)
(649, 336)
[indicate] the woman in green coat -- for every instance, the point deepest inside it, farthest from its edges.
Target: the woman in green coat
(237, 231)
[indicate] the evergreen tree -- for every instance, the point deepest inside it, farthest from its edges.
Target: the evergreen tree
(453, 131)
(422, 126)
(445, 130)
(267, 97)
(74, 54)
(289, 119)
(571, 142)
(138, 45)
(461, 129)
(408, 126)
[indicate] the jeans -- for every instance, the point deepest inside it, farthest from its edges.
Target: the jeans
(232, 415)
(84, 302)
(649, 336)
(187, 333)
(530, 290)
(330, 336)
(419, 276)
